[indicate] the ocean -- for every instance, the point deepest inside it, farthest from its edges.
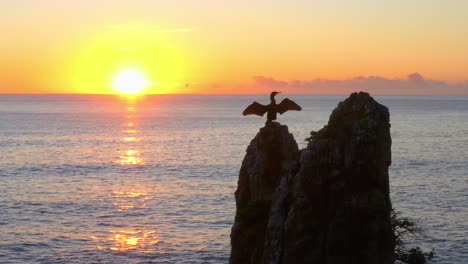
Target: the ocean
(108, 179)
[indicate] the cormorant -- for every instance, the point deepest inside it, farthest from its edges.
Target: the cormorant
(273, 108)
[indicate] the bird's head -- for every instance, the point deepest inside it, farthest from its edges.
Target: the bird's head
(273, 94)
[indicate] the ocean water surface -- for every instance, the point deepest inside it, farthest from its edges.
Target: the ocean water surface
(106, 179)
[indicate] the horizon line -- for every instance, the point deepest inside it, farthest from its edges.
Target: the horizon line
(218, 94)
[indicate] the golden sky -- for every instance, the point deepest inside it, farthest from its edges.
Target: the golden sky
(325, 47)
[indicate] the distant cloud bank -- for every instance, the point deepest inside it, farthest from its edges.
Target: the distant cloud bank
(415, 84)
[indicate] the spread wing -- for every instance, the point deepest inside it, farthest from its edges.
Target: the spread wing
(255, 109)
(287, 105)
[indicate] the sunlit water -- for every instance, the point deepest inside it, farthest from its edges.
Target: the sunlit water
(102, 179)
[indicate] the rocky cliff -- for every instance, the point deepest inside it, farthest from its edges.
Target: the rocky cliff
(328, 203)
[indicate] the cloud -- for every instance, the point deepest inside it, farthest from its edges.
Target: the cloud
(415, 77)
(415, 83)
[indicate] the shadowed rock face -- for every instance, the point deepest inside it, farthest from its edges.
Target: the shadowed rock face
(331, 206)
(270, 156)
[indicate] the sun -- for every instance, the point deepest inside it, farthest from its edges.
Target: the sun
(130, 81)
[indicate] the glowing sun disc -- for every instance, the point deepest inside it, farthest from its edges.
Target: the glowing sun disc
(130, 82)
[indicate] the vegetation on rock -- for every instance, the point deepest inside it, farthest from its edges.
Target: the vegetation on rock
(403, 228)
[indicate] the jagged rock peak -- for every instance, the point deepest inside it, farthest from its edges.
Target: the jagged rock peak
(339, 210)
(358, 115)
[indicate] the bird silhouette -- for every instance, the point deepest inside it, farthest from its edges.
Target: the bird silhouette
(272, 109)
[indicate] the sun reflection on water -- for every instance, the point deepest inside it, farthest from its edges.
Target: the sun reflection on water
(131, 109)
(125, 199)
(130, 157)
(129, 154)
(128, 194)
(129, 139)
(129, 200)
(127, 240)
(123, 240)
(130, 131)
(141, 240)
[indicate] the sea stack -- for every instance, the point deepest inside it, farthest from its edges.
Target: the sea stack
(328, 203)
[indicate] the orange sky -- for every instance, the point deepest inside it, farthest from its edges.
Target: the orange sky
(52, 46)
